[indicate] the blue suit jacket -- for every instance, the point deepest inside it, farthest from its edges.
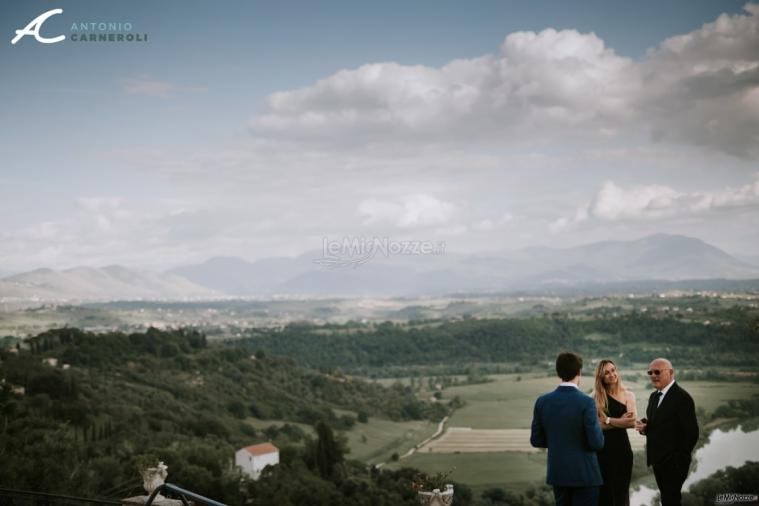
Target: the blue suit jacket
(565, 422)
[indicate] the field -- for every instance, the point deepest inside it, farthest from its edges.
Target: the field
(508, 402)
(467, 440)
(505, 403)
(373, 442)
(497, 416)
(516, 471)
(376, 441)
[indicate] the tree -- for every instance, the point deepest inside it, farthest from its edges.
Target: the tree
(7, 405)
(237, 409)
(736, 480)
(327, 454)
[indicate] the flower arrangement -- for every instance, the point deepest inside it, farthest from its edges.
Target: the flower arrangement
(435, 489)
(429, 482)
(153, 472)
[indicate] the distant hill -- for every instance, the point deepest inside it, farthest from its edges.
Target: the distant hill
(108, 283)
(236, 276)
(588, 268)
(749, 259)
(660, 257)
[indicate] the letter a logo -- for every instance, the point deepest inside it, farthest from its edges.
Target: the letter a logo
(33, 28)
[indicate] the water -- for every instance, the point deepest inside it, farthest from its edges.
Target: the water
(731, 448)
(643, 496)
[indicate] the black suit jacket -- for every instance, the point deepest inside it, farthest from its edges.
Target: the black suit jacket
(672, 429)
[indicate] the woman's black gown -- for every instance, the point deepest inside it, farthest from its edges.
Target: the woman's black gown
(616, 461)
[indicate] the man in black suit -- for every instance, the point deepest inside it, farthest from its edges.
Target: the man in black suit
(671, 431)
(565, 422)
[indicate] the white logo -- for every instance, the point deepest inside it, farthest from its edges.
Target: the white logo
(355, 251)
(33, 28)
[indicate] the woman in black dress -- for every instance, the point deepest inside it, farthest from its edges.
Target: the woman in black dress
(616, 412)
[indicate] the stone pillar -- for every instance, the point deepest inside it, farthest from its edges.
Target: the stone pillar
(140, 500)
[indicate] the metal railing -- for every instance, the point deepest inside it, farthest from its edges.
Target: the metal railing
(183, 494)
(13, 497)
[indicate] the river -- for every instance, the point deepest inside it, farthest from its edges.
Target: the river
(731, 448)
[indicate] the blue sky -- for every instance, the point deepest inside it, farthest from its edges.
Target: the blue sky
(255, 129)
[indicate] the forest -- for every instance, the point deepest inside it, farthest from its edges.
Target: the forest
(81, 411)
(731, 339)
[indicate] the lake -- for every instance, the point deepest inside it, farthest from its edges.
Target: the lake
(730, 448)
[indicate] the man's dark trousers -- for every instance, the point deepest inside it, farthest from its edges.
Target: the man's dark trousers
(670, 476)
(576, 496)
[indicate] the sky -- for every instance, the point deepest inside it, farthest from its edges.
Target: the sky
(257, 129)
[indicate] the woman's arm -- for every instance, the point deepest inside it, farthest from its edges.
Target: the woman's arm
(602, 422)
(627, 420)
(631, 403)
(602, 418)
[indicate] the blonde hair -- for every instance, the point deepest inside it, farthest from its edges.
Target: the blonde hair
(600, 395)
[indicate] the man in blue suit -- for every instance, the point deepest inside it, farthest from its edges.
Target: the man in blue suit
(565, 422)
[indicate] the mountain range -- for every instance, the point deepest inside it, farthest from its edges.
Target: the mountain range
(657, 257)
(107, 283)
(653, 258)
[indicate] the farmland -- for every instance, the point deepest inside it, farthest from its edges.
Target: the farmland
(486, 443)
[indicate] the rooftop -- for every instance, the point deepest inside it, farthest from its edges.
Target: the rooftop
(261, 449)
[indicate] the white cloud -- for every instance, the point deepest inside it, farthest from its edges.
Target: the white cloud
(484, 225)
(613, 202)
(580, 215)
(700, 88)
(418, 210)
(105, 212)
(452, 231)
(645, 202)
(488, 224)
(560, 78)
(102, 230)
(746, 195)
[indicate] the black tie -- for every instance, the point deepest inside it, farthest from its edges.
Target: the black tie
(655, 403)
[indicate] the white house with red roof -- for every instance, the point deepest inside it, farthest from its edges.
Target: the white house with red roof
(253, 459)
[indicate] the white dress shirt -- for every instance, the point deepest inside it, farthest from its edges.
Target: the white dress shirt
(664, 392)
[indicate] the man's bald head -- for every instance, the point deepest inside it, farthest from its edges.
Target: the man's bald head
(661, 362)
(661, 373)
